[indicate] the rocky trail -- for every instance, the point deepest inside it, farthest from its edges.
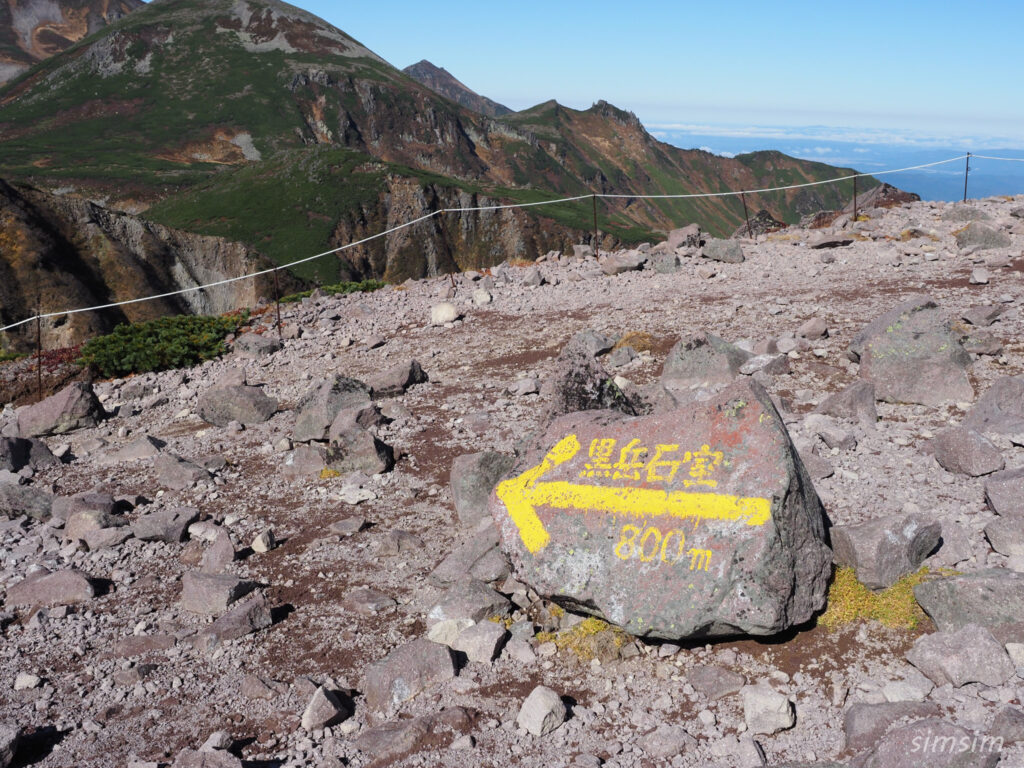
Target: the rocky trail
(293, 556)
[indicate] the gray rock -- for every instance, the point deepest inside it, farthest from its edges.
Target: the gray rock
(580, 383)
(167, 525)
(1006, 535)
(397, 379)
(666, 264)
(728, 251)
(211, 594)
(989, 598)
(246, 405)
(593, 342)
(389, 743)
(542, 712)
(1004, 492)
(1000, 409)
(87, 520)
(406, 672)
(368, 602)
(243, 618)
(966, 452)
(984, 315)
(177, 473)
(621, 356)
(305, 460)
(684, 237)
(856, 401)
(74, 407)
(356, 450)
(16, 453)
(885, 549)
(715, 682)
(66, 587)
(968, 655)
(980, 276)
(473, 477)
(934, 743)
(255, 345)
(366, 416)
(914, 356)
(481, 642)
(324, 709)
(472, 600)
(667, 741)
(532, 277)
(9, 738)
(701, 362)
(16, 500)
(319, 407)
(582, 251)
(1008, 725)
(219, 554)
(823, 240)
(774, 365)
(765, 710)
(625, 261)
(144, 447)
(865, 724)
(195, 758)
(479, 558)
(482, 297)
(981, 237)
(756, 563)
(444, 313)
(815, 328)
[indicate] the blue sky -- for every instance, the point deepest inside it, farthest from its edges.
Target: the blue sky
(947, 69)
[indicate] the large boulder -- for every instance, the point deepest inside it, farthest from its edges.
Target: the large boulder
(321, 405)
(981, 237)
(74, 407)
(580, 383)
(356, 450)
(1004, 492)
(700, 522)
(963, 451)
(396, 380)
(242, 403)
(728, 251)
(48, 589)
(16, 453)
(912, 355)
(700, 364)
(406, 672)
(18, 500)
(1000, 409)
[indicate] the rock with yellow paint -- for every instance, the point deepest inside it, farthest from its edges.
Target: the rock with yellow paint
(698, 522)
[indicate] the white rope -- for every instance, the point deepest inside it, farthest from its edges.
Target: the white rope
(394, 229)
(988, 157)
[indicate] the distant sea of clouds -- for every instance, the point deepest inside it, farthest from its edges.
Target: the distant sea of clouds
(869, 152)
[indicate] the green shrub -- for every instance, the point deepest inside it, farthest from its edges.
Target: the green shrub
(6, 357)
(366, 286)
(158, 345)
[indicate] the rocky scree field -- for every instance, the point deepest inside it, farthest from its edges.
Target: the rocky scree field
(284, 557)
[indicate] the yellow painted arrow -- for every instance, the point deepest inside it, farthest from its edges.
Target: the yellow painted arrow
(522, 495)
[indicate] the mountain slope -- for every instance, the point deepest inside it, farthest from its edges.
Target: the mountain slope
(33, 30)
(442, 82)
(189, 107)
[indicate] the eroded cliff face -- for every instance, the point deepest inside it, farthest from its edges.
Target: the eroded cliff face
(448, 242)
(63, 252)
(33, 30)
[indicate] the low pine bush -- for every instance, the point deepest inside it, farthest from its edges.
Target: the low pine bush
(366, 286)
(158, 345)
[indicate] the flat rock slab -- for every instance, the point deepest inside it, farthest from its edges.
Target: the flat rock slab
(407, 671)
(926, 743)
(1004, 492)
(969, 655)
(700, 522)
(49, 589)
(864, 724)
(885, 549)
(990, 598)
(914, 356)
(966, 452)
(244, 404)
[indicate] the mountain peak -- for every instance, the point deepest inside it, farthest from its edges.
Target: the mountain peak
(442, 82)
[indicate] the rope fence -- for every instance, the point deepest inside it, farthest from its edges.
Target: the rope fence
(592, 196)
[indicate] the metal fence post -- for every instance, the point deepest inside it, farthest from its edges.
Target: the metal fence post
(597, 246)
(39, 355)
(277, 302)
(855, 198)
(746, 215)
(967, 170)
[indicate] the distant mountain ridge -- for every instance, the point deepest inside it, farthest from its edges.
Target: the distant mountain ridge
(34, 30)
(257, 122)
(442, 82)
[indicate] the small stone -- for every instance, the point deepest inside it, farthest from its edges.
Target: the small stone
(264, 542)
(980, 276)
(26, 681)
(323, 710)
(885, 549)
(481, 642)
(542, 712)
(766, 710)
(667, 741)
(211, 594)
(444, 313)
